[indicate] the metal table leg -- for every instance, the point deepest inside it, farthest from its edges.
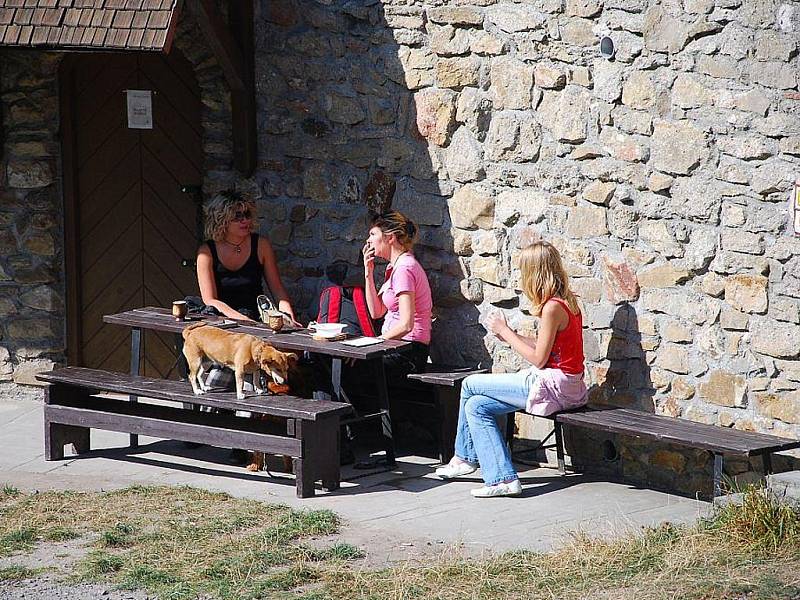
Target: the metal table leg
(717, 474)
(136, 355)
(383, 404)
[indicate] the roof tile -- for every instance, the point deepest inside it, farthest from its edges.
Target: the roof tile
(144, 24)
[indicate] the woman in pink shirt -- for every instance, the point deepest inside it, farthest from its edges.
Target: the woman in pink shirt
(404, 300)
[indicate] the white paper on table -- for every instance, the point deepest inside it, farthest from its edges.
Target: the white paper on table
(363, 341)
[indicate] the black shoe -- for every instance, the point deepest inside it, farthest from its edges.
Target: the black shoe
(238, 456)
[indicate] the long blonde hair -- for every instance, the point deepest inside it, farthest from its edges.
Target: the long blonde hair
(220, 210)
(544, 277)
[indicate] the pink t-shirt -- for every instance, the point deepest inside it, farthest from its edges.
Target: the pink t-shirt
(408, 276)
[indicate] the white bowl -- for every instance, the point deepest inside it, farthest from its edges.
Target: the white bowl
(328, 330)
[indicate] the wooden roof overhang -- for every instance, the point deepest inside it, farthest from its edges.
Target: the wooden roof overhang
(146, 25)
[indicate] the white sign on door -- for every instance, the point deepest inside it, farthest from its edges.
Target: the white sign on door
(140, 109)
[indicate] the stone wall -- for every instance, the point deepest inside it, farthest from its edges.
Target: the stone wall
(662, 175)
(31, 222)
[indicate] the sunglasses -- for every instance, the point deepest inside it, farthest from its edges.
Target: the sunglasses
(242, 215)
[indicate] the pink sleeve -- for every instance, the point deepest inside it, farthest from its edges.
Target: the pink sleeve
(403, 280)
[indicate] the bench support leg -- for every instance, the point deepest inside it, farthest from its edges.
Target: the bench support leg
(136, 355)
(717, 474)
(320, 450)
(56, 436)
(766, 459)
(447, 402)
(559, 446)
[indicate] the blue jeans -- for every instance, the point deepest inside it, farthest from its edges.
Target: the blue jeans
(485, 400)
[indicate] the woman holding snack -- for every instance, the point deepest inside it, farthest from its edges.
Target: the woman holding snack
(404, 300)
(233, 264)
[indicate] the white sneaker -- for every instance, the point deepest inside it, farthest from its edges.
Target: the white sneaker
(512, 488)
(451, 470)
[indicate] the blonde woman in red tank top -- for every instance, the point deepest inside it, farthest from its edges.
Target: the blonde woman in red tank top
(553, 383)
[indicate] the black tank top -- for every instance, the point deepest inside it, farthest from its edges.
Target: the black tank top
(239, 289)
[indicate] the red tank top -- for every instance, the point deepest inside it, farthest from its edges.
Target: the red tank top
(567, 352)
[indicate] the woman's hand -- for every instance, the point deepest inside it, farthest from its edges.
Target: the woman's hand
(369, 259)
(496, 323)
(286, 309)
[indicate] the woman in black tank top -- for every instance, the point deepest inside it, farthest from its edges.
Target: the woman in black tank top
(233, 264)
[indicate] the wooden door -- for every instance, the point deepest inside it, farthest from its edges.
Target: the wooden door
(129, 224)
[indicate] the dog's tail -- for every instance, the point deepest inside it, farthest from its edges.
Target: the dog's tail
(186, 330)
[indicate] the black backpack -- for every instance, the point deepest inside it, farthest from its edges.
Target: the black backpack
(345, 304)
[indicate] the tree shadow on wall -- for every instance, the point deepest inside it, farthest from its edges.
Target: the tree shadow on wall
(339, 85)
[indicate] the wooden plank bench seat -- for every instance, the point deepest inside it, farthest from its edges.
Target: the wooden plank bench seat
(446, 385)
(311, 435)
(719, 441)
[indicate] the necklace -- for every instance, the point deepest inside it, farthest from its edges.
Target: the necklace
(237, 247)
(394, 262)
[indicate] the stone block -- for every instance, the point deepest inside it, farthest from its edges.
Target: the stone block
(681, 389)
(30, 329)
(599, 192)
(662, 276)
(549, 77)
(456, 15)
(688, 91)
(511, 84)
(784, 407)
(474, 110)
(677, 147)
(513, 137)
(673, 358)
(566, 113)
(487, 269)
(29, 174)
(776, 339)
(484, 43)
(619, 281)
(436, 110)
(659, 237)
(737, 240)
(25, 372)
(681, 303)
(663, 32)
(724, 389)
(639, 91)
(472, 206)
(747, 293)
(513, 18)
(622, 146)
(669, 459)
(586, 222)
(457, 72)
(525, 206)
(464, 157)
(449, 41)
(746, 147)
(576, 31)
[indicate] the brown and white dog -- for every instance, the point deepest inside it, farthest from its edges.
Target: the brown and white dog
(241, 352)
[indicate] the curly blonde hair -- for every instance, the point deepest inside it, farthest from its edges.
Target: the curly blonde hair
(544, 277)
(219, 211)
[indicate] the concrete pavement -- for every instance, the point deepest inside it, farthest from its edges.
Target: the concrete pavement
(392, 512)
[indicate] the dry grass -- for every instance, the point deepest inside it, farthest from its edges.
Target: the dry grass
(181, 542)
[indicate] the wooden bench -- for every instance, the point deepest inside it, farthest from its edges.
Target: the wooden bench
(446, 386)
(719, 441)
(310, 437)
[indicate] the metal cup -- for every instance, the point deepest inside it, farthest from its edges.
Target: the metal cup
(180, 310)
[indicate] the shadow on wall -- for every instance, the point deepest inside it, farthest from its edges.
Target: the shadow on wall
(623, 381)
(346, 128)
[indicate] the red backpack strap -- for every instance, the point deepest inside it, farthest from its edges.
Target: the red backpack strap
(360, 302)
(334, 303)
(333, 296)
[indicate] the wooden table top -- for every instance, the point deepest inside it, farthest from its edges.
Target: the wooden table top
(161, 319)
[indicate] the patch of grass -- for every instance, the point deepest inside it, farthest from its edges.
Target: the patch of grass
(118, 536)
(18, 540)
(8, 491)
(99, 564)
(15, 572)
(182, 543)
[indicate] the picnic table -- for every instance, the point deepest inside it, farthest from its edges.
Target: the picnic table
(298, 340)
